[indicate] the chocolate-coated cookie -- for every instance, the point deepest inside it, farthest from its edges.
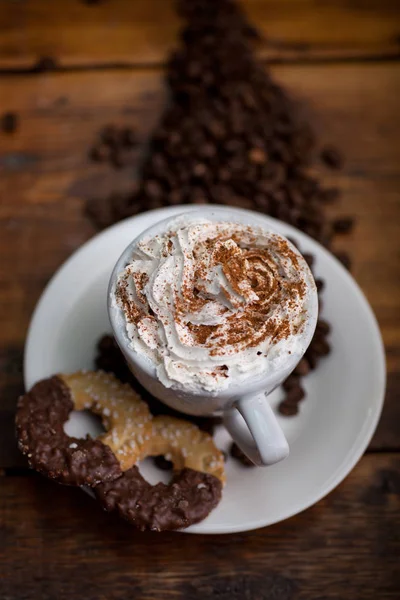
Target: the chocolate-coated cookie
(188, 499)
(40, 419)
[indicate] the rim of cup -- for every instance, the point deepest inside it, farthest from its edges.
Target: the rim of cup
(224, 214)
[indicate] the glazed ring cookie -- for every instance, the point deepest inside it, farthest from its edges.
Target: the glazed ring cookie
(191, 495)
(125, 417)
(185, 445)
(40, 419)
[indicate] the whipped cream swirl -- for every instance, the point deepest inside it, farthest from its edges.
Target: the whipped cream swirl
(212, 303)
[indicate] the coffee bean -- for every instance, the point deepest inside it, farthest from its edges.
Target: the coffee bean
(292, 381)
(309, 258)
(174, 197)
(153, 189)
(207, 151)
(128, 137)
(294, 395)
(109, 135)
(258, 156)
(344, 258)
(287, 409)
(320, 283)
(320, 347)
(99, 153)
(237, 453)
(332, 157)
(303, 368)
(312, 358)
(9, 122)
(343, 225)
(323, 327)
(199, 170)
(216, 130)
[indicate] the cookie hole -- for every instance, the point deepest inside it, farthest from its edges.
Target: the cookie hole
(152, 473)
(83, 422)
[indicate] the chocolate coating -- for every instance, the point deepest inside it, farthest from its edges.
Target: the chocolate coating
(188, 499)
(40, 417)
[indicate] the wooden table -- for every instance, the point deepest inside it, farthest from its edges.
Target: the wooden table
(340, 59)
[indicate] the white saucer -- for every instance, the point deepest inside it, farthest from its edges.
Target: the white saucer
(336, 421)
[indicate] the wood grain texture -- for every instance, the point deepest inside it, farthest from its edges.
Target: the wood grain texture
(346, 546)
(143, 33)
(45, 176)
(55, 542)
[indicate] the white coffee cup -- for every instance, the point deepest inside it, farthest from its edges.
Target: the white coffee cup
(246, 411)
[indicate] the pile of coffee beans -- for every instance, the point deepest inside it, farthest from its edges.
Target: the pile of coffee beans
(229, 135)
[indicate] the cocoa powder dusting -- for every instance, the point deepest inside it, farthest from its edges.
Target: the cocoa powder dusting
(201, 333)
(140, 280)
(252, 273)
(132, 311)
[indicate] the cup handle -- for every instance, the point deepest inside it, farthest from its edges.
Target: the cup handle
(254, 427)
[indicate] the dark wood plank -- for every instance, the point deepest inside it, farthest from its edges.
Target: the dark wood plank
(45, 176)
(57, 543)
(144, 32)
